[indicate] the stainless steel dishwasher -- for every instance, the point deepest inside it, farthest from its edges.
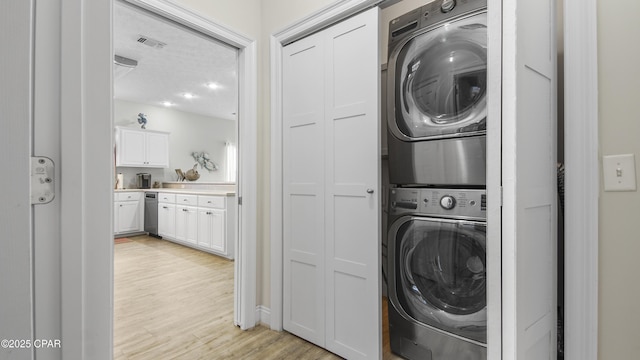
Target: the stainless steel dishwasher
(151, 213)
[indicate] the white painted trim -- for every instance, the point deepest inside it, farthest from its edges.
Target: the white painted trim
(304, 27)
(494, 180)
(246, 275)
(322, 18)
(582, 187)
(263, 315)
(86, 149)
(193, 20)
(276, 185)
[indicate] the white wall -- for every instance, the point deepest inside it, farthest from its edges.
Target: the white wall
(189, 132)
(618, 78)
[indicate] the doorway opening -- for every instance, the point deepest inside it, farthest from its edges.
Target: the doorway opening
(178, 74)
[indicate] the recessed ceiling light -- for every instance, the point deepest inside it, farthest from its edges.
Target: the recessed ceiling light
(213, 85)
(188, 95)
(167, 103)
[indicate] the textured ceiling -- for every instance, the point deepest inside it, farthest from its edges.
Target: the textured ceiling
(186, 64)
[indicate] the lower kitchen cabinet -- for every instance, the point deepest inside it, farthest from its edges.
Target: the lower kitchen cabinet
(211, 229)
(187, 224)
(204, 222)
(128, 212)
(167, 220)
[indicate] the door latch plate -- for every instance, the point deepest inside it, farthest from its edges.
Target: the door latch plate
(42, 180)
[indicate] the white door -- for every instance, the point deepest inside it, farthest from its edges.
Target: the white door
(529, 180)
(352, 187)
(331, 188)
(45, 112)
(303, 189)
(16, 252)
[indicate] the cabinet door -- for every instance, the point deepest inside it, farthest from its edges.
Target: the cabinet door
(128, 214)
(157, 150)
(187, 224)
(211, 229)
(131, 148)
(167, 220)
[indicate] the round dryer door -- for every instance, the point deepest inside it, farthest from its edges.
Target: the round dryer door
(440, 82)
(439, 274)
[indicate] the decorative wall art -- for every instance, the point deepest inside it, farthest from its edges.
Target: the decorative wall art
(204, 160)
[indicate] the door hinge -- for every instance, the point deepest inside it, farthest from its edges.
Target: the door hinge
(501, 196)
(42, 180)
(239, 200)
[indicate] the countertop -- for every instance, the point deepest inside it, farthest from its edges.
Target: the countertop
(183, 191)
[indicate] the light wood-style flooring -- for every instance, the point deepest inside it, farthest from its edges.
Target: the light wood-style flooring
(173, 302)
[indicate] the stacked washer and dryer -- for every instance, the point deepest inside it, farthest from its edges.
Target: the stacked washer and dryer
(437, 113)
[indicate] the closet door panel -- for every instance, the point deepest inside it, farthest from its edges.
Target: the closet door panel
(352, 188)
(303, 189)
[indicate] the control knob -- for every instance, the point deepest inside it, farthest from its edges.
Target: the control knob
(447, 5)
(448, 202)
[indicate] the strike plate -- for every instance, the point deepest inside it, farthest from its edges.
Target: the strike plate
(42, 176)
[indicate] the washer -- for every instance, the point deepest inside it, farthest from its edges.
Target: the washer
(437, 85)
(437, 273)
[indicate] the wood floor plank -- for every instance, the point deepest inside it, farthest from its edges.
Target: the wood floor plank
(174, 302)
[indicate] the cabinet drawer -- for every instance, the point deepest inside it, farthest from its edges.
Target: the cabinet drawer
(127, 196)
(167, 198)
(216, 202)
(191, 200)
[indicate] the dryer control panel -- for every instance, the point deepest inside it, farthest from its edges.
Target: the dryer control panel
(456, 203)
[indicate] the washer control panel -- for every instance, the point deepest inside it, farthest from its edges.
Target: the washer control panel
(447, 5)
(470, 204)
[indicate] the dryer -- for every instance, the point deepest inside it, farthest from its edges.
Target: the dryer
(437, 273)
(437, 85)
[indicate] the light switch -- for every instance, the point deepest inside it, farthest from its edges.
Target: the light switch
(619, 172)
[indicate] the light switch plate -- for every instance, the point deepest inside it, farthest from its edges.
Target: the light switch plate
(619, 172)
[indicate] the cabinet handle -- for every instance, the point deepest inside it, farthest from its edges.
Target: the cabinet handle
(369, 191)
(209, 213)
(164, 207)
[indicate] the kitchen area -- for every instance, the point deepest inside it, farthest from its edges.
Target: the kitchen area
(175, 133)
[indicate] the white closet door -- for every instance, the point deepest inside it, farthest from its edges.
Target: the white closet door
(303, 189)
(352, 187)
(529, 180)
(331, 171)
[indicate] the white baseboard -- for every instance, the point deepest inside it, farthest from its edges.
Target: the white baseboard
(263, 315)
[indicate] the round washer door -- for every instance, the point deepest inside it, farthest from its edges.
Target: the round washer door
(440, 82)
(439, 274)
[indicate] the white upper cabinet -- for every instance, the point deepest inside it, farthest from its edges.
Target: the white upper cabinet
(142, 148)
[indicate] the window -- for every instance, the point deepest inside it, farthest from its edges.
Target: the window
(231, 161)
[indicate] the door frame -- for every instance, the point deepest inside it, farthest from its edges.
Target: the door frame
(582, 187)
(87, 235)
(316, 21)
(245, 269)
